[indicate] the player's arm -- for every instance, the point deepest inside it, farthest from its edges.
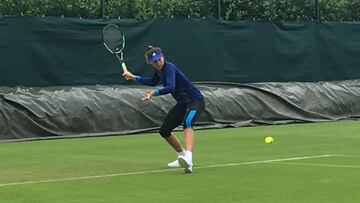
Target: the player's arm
(154, 80)
(144, 80)
(169, 87)
(128, 75)
(170, 83)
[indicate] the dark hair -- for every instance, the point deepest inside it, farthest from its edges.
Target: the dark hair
(149, 50)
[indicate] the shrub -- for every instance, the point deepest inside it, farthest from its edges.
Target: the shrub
(145, 9)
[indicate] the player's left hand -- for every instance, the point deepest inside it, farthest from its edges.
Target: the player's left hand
(149, 94)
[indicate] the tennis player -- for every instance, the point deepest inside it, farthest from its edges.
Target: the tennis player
(190, 104)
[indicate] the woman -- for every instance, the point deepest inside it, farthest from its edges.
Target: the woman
(190, 103)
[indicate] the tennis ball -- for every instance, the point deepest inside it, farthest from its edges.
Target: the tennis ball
(269, 140)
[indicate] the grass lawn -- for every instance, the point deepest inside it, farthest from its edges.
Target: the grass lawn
(315, 162)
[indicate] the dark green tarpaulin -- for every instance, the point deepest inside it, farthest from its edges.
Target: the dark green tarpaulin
(36, 51)
(35, 113)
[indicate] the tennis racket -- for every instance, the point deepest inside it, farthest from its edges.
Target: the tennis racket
(114, 41)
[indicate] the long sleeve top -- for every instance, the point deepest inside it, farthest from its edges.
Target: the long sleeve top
(174, 82)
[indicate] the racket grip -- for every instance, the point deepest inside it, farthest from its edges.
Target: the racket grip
(123, 66)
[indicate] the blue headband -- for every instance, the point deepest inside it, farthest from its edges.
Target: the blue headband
(154, 56)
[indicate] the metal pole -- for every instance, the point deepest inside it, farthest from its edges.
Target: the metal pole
(317, 9)
(219, 9)
(102, 4)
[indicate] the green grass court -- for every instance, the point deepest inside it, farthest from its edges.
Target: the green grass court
(316, 162)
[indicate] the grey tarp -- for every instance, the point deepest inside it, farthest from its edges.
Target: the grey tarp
(36, 113)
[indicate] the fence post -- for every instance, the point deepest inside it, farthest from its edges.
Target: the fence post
(219, 8)
(317, 9)
(102, 4)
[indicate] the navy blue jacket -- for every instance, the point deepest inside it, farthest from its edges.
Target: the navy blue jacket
(174, 82)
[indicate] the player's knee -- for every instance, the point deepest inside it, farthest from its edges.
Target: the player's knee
(187, 126)
(190, 119)
(164, 132)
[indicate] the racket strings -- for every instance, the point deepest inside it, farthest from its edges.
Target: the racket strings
(113, 39)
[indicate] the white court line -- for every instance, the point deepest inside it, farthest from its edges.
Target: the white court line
(350, 156)
(158, 171)
(323, 165)
(265, 161)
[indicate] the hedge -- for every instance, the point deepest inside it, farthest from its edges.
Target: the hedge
(234, 10)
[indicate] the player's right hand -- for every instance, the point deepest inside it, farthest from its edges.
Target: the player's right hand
(128, 75)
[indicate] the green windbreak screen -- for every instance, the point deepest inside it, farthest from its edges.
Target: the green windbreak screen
(50, 51)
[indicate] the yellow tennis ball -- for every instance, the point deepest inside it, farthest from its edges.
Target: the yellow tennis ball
(269, 140)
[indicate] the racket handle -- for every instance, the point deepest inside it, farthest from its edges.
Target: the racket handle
(123, 66)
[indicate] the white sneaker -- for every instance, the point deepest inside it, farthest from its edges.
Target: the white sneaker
(186, 163)
(174, 164)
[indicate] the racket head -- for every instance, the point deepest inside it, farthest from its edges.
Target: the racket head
(113, 38)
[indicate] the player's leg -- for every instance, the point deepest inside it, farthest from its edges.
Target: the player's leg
(174, 142)
(189, 139)
(172, 120)
(193, 111)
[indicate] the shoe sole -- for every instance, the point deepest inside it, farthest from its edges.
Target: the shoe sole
(172, 166)
(185, 165)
